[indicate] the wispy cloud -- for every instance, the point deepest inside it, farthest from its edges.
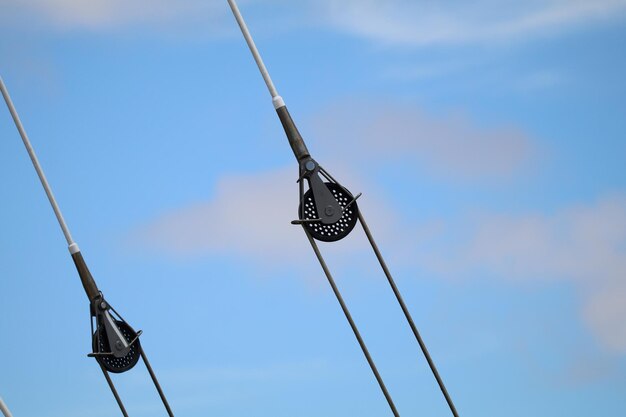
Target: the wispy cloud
(392, 21)
(426, 23)
(247, 211)
(249, 215)
(450, 146)
(110, 15)
(583, 245)
(353, 138)
(605, 311)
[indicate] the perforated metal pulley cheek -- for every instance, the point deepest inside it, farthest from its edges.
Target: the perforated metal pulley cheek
(110, 362)
(340, 229)
(99, 309)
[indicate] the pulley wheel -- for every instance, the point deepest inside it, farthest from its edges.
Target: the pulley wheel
(341, 228)
(110, 362)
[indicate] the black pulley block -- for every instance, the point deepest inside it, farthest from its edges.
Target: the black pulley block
(335, 231)
(103, 351)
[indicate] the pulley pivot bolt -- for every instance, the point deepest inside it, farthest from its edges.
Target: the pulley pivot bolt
(329, 210)
(119, 345)
(310, 165)
(103, 305)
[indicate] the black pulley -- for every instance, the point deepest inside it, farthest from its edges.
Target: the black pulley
(115, 344)
(328, 212)
(103, 351)
(335, 231)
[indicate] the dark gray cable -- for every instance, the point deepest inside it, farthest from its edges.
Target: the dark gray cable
(113, 390)
(407, 314)
(278, 102)
(72, 245)
(156, 382)
(346, 312)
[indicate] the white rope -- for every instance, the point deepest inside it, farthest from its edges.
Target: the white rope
(255, 52)
(3, 406)
(42, 176)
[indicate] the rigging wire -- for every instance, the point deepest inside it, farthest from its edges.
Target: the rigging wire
(3, 407)
(304, 158)
(407, 314)
(37, 165)
(279, 103)
(357, 334)
(99, 307)
(253, 48)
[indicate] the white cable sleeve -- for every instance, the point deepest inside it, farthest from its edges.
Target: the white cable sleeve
(5, 409)
(33, 158)
(253, 49)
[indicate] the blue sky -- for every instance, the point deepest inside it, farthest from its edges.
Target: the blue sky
(487, 138)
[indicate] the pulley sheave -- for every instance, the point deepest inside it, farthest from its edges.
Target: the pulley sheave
(103, 351)
(335, 231)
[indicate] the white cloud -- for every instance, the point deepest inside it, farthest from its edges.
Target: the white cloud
(426, 23)
(393, 21)
(449, 147)
(107, 15)
(355, 137)
(605, 314)
(249, 215)
(584, 245)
